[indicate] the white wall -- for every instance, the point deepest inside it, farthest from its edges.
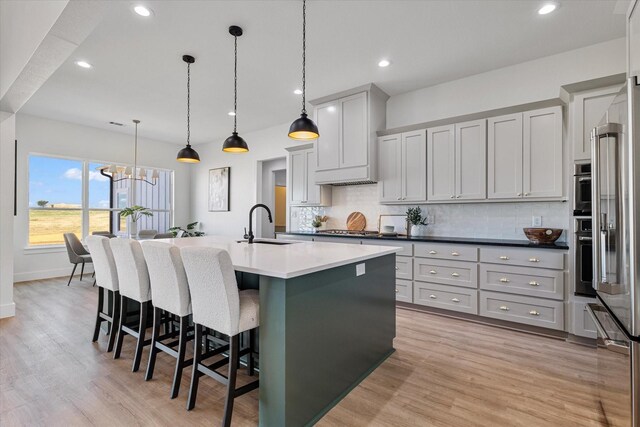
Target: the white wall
(7, 137)
(523, 83)
(44, 136)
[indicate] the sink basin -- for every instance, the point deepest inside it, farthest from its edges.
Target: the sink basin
(268, 242)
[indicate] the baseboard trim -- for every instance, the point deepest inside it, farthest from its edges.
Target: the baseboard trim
(50, 274)
(7, 310)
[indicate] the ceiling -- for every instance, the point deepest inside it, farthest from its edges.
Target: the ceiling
(138, 71)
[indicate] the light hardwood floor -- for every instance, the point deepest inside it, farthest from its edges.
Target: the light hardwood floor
(445, 372)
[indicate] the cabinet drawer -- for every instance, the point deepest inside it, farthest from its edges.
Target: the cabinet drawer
(540, 258)
(527, 310)
(446, 272)
(447, 297)
(404, 290)
(536, 282)
(404, 267)
(446, 251)
(407, 248)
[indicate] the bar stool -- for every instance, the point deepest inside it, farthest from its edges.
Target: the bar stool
(219, 305)
(133, 279)
(171, 294)
(106, 279)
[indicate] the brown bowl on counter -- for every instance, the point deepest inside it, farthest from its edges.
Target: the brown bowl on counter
(542, 236)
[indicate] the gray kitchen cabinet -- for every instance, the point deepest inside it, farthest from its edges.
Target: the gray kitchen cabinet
(633, 35)
(521, 309)
(402, 167)
(446, 297)
(525, 155)
(404, 290)
(456, 162)
(588, 108)
(301, 188)
(582, 323)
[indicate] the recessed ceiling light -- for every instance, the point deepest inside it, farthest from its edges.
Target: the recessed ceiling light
(231, 113)
(298, 92)
(384, 63)
(142, 11)
(547, 8)
(83, 64)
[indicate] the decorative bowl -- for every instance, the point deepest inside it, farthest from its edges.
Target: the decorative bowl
(542, 236)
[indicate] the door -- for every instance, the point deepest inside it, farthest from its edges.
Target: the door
(297, 177)
(354, 138)
(504, 157)
(589, 107)
(390, 168)
(312, 191)
(441, 163)
(414, 166)
(471, 160)
(328, 143)
(542, 153)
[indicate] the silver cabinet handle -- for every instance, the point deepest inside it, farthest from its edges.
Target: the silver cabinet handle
(399, 198)
(458, 196)
(534, 260)
(585, 238)
(455, 254)
(504, 308)
(534, 283)
(455, 300)
(397, 268)
(504, 258)
(534, 313)
(526, 194)
(432, 296)
(519, 194)
(455, 274)
(453, 197)
(504, 280)
(397, 291)
(433, 252)
(433, 272)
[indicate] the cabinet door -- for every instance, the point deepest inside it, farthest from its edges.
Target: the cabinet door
(354, 138)
(414, 166)
(328, 143)
(633, 35)
(542, 154)
(297, 177)
(389, 168)
(589, 108)
(312, 190)
(504, 153)
(471, 160)
(441, 163)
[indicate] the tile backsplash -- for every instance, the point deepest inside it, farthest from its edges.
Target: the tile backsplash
(481, 220)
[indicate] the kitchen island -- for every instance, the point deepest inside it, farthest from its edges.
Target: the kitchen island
(327, 319)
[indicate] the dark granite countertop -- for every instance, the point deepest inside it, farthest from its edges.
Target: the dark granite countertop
(439, 239)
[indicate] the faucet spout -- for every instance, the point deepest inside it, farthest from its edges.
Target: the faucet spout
(249, 236)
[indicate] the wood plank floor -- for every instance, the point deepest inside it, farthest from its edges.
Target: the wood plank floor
(445, 372)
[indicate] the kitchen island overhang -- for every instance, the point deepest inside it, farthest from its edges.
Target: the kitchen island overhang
(327, 320)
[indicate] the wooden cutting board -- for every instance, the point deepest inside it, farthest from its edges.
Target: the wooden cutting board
(356, 221)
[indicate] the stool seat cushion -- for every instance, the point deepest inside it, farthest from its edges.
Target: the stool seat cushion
(249, 310)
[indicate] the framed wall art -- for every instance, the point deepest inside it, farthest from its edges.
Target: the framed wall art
(219, 189)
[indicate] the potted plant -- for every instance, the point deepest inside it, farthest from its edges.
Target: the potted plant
(319, 222)
(190, 231)
(416, 223)
(134, 213)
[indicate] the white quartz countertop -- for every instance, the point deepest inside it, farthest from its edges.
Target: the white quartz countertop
(286, 261)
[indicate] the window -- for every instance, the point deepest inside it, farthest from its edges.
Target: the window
(81, 197)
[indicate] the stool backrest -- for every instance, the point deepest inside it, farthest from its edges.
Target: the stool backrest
(74, 247)
(167, 277)
(103, 263)
(213, 287)
(133, 275)
(147, 234)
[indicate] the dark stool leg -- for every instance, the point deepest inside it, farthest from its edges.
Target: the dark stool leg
(252, 345)
(231, 383)
(123, 316)
(114, 320)
(81, 271)
(72, 273)
(141, 334)
(182, 347)
(157, 313)
(195, 374)
(96, 330)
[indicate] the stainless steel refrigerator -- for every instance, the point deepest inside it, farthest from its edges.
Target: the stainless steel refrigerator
(615, 149)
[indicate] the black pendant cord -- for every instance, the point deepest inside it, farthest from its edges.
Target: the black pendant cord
(304, 56)
(188, 104)
(235, 84)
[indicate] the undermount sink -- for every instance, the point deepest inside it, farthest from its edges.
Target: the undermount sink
(268, 242)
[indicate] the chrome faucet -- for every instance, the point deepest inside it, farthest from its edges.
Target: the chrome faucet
(249, 236)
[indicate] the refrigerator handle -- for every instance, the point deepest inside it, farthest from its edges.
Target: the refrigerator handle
(621, 347)
(598, 259)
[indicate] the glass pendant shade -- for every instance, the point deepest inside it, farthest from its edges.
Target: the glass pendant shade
(113, 169)
(235, 144)
(143, 173)
(303, 129)
(188, 155)
(155, 174)
(127, 172)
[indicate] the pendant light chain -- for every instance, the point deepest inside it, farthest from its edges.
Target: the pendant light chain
(188, 103)
(235, 83)
(304, 55)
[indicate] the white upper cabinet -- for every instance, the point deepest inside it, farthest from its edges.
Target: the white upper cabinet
(347, 123)
(525, 155)
(390, 168)
(633, 35)
(301, 188)
(588, 108)
(440, 163)
(402, 167)
(471, 160)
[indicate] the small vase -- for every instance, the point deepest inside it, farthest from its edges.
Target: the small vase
(133, 229)
(418, 230)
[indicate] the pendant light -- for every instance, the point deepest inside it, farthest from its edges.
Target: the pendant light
(188, 154)
(235, 143)
(303, 128)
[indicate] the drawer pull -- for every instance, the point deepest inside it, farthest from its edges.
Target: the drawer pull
(433, 252)
(504, 308)
(397, 291)
(534, 283)
(504, 280)
(432, 296)
(534, 313)
(433, 272)
(455, 300)
(504, 258)
(534, 260)
(455, 274)
(455, 254)
(397, 268)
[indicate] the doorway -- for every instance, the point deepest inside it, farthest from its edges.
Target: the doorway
(272, 191)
